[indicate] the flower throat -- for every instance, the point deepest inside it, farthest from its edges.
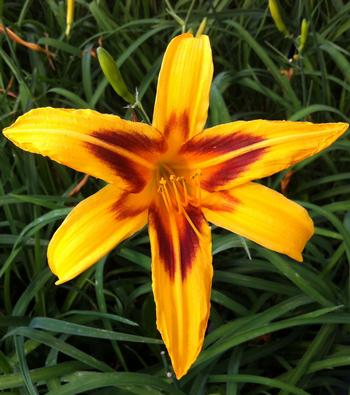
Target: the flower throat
(179, 191)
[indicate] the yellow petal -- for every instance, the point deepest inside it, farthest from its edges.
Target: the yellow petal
(237, 152)
(93, 228)
(261, 215)
(101, 145)
(185, 77)
(182, 274)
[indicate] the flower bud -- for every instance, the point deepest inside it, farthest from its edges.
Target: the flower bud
(277, 18)
(303, 35)
(113, 75)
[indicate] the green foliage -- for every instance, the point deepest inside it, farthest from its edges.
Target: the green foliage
(276, 326)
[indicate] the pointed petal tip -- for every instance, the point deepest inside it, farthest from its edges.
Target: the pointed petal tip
(337, 129)
(182, 364)
(62, 277)
(180, 372)
(6, 133)
(340, 127)
(297, 254)
(297, 257)
(344, 127)
(182, 368)
(65, 277)
(60, 281)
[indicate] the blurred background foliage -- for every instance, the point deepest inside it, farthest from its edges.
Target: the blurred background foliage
(276, 326)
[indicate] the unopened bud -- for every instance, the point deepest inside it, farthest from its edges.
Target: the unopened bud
(113, 75)
(303, 35)
(277, 18)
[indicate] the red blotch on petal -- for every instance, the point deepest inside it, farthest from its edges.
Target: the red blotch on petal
(188, 239)
(165, 245)
(226, 202)
(189, 242)
(225, 172)
(122, 166)
(133, 142)
(219, 144)
(122, 210)
(178, 123)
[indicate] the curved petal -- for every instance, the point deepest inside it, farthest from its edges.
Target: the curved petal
(182, 275)
(261, 215)
(237, 152)
(185, 77)
(93, 228)
(101, 145)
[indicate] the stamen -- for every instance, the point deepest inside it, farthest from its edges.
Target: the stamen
(165, 193)
(161, 190)
(185, 192)
(182, 196)
(196, 231)
(177, 197)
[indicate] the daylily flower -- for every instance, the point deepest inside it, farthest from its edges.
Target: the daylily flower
(175, 176)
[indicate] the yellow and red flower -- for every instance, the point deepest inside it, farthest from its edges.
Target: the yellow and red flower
(174, 175)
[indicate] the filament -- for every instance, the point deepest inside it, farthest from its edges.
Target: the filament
(193, 226)
(182, 181)
(165, 193)
(177, 197)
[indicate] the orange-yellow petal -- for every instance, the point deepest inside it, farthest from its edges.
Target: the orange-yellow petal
(185, 77)
(182, 275)
(237, 152)
(93, 228)
(102, 145)
(261, 215)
